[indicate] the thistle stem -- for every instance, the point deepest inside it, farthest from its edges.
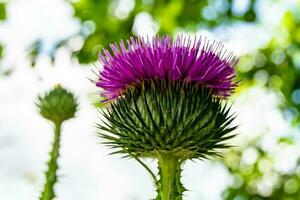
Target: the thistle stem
(51, 173)
(169, 185)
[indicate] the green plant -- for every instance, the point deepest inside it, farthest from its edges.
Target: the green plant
(57, 106)
(164, 101)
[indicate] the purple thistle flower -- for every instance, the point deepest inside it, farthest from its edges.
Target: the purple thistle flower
(167, 103)
(195, 60)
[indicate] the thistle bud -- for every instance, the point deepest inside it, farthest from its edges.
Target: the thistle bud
(57, 105)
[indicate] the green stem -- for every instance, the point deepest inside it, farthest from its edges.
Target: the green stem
(170, 187)
(51, 176)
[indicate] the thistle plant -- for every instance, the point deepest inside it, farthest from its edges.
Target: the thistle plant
(165, 101)
(57, 106)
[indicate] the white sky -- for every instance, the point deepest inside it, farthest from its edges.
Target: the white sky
(87, 172)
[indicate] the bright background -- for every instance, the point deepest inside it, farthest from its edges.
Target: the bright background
(45, 42)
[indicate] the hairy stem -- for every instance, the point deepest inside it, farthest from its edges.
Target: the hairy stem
(51, 173)
(169, 185)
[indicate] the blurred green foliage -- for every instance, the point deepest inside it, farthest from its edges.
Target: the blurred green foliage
(2, 11)
(278, 64)
(103, 23)
(257, 175)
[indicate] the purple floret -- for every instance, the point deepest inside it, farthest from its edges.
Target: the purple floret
(195, 60)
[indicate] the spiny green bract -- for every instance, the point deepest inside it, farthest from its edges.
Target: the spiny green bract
(178, 118)
(57, 105)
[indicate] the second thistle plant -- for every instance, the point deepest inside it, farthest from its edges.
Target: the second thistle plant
(165, 102)
(57, 106)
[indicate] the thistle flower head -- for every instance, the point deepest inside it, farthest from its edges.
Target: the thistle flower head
(167, 97)
(57, 105)
(195, 60)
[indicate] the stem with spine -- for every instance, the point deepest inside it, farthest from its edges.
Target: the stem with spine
(169, 184)
(51, 173)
